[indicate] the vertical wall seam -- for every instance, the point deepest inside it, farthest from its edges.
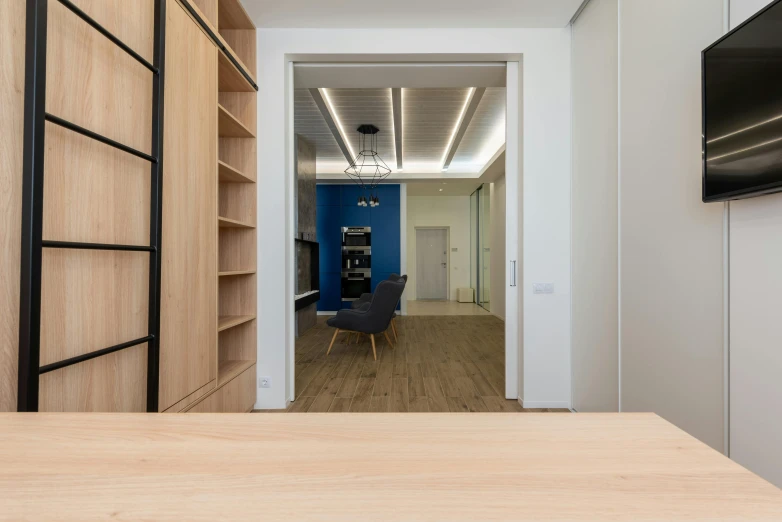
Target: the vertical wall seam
(619, 200)
(726, 291)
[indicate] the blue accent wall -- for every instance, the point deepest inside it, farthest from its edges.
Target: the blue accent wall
(337, 208)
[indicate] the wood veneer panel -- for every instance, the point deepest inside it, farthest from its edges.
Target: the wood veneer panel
(238, 201)
(114, 382)
(242, 43)
(233, 16)
(238, 295)
(93, 192)
(188, 323)
(92, 82)
(242, 106)
(209, 10)
(430, 466)
(237, 250)
(228, 174)
(90, 300)
(230, 126)
(235, 396)
(131, 22)
(12, 34)
(239, 343)
(230, 79)
(240, 153)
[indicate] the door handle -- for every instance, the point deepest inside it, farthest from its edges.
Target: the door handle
(512, 277)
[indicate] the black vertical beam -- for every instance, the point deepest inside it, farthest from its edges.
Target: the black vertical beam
(32, 204)
(156, 209)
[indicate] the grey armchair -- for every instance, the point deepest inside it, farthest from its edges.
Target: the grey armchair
(373, 318)
(365, 298)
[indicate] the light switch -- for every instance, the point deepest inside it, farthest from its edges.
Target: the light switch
(542, 288)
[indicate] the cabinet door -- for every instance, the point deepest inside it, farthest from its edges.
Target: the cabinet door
(188, 308)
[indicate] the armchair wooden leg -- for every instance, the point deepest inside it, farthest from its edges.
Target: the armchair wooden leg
(349, 336)
(388, 339)
(393, 329)
(374, 351)
(332, 341)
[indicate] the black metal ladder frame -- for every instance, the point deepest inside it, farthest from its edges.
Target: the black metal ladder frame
(35, 118)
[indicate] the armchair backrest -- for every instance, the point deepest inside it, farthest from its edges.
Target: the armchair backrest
(383, 304)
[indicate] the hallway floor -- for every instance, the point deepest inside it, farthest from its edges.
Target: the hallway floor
(439, 364)
(444, 308)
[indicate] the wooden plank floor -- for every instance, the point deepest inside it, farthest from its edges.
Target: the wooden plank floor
(439, 364)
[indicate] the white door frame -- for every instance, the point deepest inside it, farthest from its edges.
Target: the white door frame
(514, 224)
(447, 252)
(514, 305)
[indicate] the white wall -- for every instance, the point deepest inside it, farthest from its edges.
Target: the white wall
(595, 217)
(755, 329)
(452, 212)
(671, 295)
(497, 244)
(546, 182)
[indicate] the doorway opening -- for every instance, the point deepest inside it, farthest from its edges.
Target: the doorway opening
(421, 127)
(432, 262)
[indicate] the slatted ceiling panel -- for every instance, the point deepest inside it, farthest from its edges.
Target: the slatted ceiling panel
(487, 129)
(429, 117)
(356, 107)
(309, 123)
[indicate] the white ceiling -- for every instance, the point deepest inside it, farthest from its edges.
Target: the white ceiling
(344, 14)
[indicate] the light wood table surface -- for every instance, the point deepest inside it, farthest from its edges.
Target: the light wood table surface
(368, 467)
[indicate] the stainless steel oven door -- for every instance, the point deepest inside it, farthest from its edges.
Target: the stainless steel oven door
(355, 283)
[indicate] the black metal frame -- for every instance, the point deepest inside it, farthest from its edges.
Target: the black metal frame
(218, 42)
(32, 204)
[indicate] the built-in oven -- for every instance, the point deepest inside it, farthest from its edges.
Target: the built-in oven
(356, 236)
(356, 282)
(356, 258)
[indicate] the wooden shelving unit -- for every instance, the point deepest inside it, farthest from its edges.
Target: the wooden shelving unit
(229, 125)
(228, 174)
(224, 322)
(225, 222)
(236, 181)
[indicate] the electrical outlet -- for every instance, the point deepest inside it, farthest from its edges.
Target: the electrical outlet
(264, 382)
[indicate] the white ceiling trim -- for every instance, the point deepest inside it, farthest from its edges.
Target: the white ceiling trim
(457, 75)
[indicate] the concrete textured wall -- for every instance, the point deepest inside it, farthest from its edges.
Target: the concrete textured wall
(306, 228)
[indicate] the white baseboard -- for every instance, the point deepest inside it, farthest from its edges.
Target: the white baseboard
(545, 404)
(327, 313)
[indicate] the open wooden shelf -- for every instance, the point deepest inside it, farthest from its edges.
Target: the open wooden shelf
(227, 370)
(225, 222)
(224, 322)
(228, 174)
(231, 273)
(231, 15)
(228, 126)
(229, 79)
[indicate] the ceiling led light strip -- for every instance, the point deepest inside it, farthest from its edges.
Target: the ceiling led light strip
(334, 115)
(456, 128)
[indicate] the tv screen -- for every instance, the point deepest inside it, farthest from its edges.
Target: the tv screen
(742, 110)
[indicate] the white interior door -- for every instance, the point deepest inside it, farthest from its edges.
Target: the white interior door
(431, 247)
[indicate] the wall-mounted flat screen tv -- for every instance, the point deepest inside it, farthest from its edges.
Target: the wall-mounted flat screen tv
(742, 110)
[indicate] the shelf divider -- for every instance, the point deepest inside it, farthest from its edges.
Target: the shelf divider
(224, 322)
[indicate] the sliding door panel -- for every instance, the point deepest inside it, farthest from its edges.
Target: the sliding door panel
(188, 314)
